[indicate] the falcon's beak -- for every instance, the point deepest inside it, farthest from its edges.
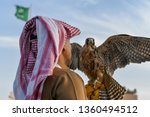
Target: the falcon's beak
(90, 41)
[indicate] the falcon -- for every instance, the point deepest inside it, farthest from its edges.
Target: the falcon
(99, 63)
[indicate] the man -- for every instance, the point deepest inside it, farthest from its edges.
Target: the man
(64, 83)
(43, 71)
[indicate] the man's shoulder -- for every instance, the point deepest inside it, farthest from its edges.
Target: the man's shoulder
(64, 72)
(58, 71)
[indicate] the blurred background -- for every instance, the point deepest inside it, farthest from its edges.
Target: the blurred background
(95, 18)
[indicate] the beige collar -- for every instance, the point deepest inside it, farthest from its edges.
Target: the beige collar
(58, 66)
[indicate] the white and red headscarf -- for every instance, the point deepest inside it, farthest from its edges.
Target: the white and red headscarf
(41, 43)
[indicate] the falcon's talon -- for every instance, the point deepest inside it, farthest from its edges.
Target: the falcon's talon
(96, 82)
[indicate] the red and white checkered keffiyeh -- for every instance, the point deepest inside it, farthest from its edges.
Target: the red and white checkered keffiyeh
(41, 43)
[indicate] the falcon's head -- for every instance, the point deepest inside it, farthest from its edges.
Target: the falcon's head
(90, 42)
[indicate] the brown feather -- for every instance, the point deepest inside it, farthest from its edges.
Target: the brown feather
(120, 50)
(99, 63)
(76, 48)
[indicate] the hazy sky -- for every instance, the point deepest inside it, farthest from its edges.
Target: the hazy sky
(96, 18)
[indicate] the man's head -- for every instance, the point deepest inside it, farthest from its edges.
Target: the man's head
(65, 56)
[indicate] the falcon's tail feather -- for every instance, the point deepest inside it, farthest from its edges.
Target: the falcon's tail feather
(111, 89)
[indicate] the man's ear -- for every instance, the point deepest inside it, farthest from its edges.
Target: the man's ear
(64, 48)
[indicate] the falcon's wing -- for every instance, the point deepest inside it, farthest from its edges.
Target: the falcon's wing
(119, 50)
(76, 48)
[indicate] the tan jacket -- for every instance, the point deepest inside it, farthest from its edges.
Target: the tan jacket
(64, 84)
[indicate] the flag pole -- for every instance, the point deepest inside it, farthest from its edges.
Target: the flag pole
(30, 11)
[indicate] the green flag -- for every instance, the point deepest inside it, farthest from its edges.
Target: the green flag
(22, 12)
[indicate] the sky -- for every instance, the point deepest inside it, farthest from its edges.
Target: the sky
(95, 18)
